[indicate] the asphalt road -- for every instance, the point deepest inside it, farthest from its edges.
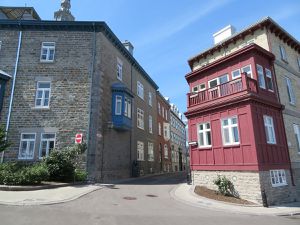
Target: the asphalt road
(142, 202)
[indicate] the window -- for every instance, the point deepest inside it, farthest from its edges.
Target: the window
(290, 90)
(200, 87)
(150, 152)
(159, 129)
(42, 98)
(236, 74)
(118, 109)
(140, 90)
(47, 52)
(127, 110)
(166, 131)
(297, 135)
(230, 131)
(269, 80)
(166, 112)
(47, 144)
(27, 145)
(278, 178)
(163, 111)
(282, 53)
(261, 77)
(140, 118)
(150, 124)
(298, 60)
(248, 70)
(150, 98)
(140, 151)
(204, 135)
(269, 127)
(158, 105)
(213, 83)
(119, 69)
(166, 151)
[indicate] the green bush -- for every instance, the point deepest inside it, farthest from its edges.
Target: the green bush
(22, 174)
(80, 175)
(225, 186)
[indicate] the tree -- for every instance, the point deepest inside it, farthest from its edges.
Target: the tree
(3, 142)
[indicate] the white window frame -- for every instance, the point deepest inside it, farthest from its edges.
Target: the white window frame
(150, 124)
(48, 140)
(290, 90)
(269, 129)
(269, 76)
(48, 50)
(166, 131)
(140, 151)
(119, 69)
(275, 176)
(218, 82)
(251, 73)
(261, 76)
(140, 118)
(298, 60)
(230, 128)
(150, 151)
(234, 76)
(140, 90)
(127, 109)
(159, 129)
(163, 112)
(43, 98)
(205, 132)
(297, 136)
(118, 105)
(159, 110)
(28, 155)
(166, 151)
(150, 98)
(283, 53)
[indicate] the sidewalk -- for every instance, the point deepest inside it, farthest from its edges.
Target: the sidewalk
(185, 194)
(46, 196)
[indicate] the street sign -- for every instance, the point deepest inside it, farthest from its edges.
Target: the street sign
(78, 138)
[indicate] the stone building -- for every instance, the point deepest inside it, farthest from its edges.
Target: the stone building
(178, 139)
(267, 34)
(163, 134)
(71, 77)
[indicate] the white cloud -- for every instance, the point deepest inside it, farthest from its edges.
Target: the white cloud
(180, 22)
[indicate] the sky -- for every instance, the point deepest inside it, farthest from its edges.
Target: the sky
(166, 33)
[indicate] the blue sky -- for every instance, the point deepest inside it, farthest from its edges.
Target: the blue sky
(166, 33)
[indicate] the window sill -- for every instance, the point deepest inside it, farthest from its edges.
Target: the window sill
(279, 185)
(231, 145)
(205, 148)
(46, 61)
(292, 104)
(141, 128)
(284, 60)
(271, 143)
(41, 108)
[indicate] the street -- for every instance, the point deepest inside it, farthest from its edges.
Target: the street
(142, 201)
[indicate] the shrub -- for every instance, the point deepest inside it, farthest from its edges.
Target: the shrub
(80, 175)
(225, 186)
(22, 174)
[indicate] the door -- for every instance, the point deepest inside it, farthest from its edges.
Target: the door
(224, 85)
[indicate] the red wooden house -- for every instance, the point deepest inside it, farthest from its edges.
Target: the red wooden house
(236, 126)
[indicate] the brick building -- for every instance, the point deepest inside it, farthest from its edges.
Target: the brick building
(285, 74)
(74, 77)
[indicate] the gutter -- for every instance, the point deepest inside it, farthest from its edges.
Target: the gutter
(12, 89)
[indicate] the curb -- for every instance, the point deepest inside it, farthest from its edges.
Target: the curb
(38, 187)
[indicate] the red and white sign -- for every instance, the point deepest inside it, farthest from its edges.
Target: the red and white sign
(78, 138)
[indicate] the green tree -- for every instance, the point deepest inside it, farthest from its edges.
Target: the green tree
(3, 142)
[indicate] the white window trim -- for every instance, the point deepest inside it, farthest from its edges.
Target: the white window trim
(298, 60)
(166, 150)
(150, 156)
(150, 98)
(269, 75)
(290, 90)
(204, 131)
(235, 77)
(297, 136)
(119, 99)
(242, 70)
(140, 124)
(48, 51)
(43, 139)
(262, 82)
(140, 152)
(21, 140)
(276, 178)
(140, 90)
(230, 126)
(43, 96)
(119, 69)
(283, 53)
(159, 129)
(150, 124)
(127, 109)
(218, 82)
(267, 127)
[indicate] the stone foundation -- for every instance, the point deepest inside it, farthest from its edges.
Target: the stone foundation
(249, 185)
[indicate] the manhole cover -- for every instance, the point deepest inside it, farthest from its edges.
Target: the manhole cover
(152, 196)
(129, 198)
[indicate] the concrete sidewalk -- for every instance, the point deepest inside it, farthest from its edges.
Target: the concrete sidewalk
(185, 194)
(46, 196)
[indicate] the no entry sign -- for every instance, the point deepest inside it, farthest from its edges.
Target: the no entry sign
(78, 139)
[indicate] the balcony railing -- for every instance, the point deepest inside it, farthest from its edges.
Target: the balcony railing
(244, 83)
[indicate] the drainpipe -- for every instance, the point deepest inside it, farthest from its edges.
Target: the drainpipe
(12, 89)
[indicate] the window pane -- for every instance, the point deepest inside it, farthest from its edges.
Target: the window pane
(208, 126)
(48, 136)
(43, 85)
(225, 122)
(43, 149)
(201, 127)
(39, 94)
(234, 120)
(235, 134)
(46, 102)
(208, 138)
(28, 136)
(201, 139)
(226, 135)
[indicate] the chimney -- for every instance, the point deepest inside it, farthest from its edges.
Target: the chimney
(64, 13)
(128, 46)
(223, 34)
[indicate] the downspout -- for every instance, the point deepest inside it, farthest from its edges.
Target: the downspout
(130, 143)
(12, 89)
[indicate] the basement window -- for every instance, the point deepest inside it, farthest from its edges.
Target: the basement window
(278, 178)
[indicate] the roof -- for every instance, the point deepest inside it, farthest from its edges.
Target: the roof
(87, 26)
(265, 22)
(17, 13)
